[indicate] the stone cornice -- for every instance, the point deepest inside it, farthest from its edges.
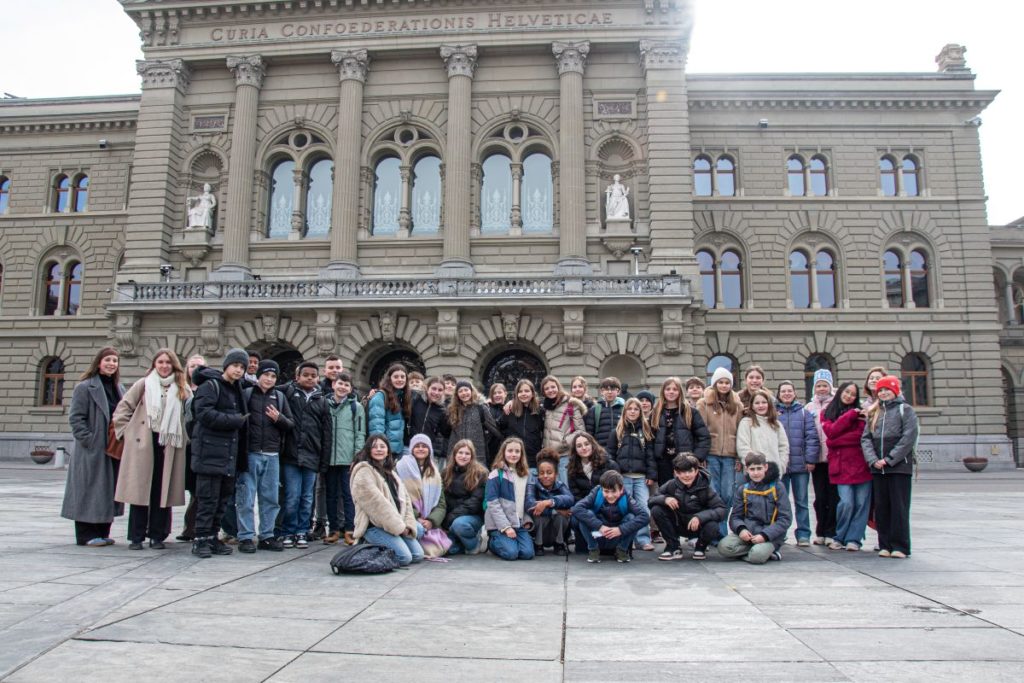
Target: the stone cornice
(352, 64)
(571, 57)
(459, 60)
(248, 70)
(65, 126)
(971, 100)
(662, 55)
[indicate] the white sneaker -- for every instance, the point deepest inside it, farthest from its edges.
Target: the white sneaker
(819, 540)
(691, 542)
(667, 556)
(853, 547)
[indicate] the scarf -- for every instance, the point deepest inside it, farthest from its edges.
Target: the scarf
(429, 489)
(163, 409)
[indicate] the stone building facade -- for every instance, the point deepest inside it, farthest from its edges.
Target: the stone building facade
(427, 180)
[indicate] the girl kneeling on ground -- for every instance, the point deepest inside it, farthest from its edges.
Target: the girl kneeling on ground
(505, 517)
(384, 511)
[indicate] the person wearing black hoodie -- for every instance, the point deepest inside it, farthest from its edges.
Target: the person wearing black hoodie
(688, 506)
(219, 447)
(429, 416)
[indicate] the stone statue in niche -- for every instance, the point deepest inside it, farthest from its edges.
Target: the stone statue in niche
(616, 200)
(200, 210)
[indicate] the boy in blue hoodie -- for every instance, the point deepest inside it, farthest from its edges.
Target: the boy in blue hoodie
(760, 514)
(549, 502)
(608, 517)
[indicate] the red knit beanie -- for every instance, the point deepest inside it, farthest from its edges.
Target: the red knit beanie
(888, 382)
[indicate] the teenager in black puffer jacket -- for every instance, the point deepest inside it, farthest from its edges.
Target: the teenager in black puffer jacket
(631, 445)
(688, 506)
(464, 480)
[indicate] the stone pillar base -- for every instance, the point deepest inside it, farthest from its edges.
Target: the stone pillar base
(231, 273)
(455, 269)
(574, 265)
(340, 270)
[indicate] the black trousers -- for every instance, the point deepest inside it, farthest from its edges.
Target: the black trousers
(826, 500)
(151, 521)
(190, 516)
(673, 524)
(547, 531)
(892, 510)
(212, 494)
(86, 531)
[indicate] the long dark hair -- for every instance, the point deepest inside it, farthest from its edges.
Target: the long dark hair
(94, 366)
(598, 456)
(836, 408)
(391, 402)
(388, 465)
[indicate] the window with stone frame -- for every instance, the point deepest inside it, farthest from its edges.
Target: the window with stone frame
(796, 176)
(516, 182)
(60, 286)
(703, 181)
(814, 275)
(915, 378)
(808, 177)
(299, 182)
(906, 274)
(715, 175)
(51, 382)
(5, 194)
(61, 193)
(80, 193)
(722, 276)
(721, 360)
(900, 174)
(407, 192)
(818, 176)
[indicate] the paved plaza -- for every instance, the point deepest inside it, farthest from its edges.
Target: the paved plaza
(954, 610)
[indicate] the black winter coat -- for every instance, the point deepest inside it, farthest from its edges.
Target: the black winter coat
(265, 435)
(634, 453)
(700, 499)
(529, 427)
(580, 484)
(309, 444)
(696, 439)
(218, 435)
(430, 419)
(462, 501)
(601, 418)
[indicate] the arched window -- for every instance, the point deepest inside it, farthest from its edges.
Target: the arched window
(410, 359)
(72, 288)
(81, 194)
(318, 198)
(508, 367)
(5, 194)
(725, 176)
(51, 288)
(732, 279)
(799, 279)
(706, 261)
(496, 195)
(818, 170)
(887, 176)
(825, 276)
(61, 193)
(282, 199)
(426, 195)
(909, 176)
(892, 266)
(795, 176)
(815, 362)
(51, 385)
(919, 278)
(721, 361)
(702, 185)
(387, 200)
(537, 205)
(914, 379)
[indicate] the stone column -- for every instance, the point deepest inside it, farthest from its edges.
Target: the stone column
(572, 236)
(1010, 308)
(517, 200)
(352, 68)
(405, 212)
(154, 212)
(460, 60)
(908, 286)
(249, 72)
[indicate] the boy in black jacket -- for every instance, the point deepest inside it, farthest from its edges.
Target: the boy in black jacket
(687, 505)
(760, 514)
(608, 517)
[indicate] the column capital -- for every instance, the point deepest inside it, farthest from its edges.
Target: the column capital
(571, 57)
(164, 73)
(656, 54)
(352, 64)
(248, 70)
(460, 60)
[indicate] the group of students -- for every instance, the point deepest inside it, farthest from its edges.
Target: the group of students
(428, 467)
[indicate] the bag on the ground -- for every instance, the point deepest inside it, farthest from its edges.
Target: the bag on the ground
(364, 558)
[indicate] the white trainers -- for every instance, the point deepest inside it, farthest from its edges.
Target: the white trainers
(853, 547)
(667, 556)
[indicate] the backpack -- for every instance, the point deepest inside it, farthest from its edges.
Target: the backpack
(364, 558)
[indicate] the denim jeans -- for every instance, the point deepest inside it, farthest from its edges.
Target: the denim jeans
(563, 469)
(465, 533)
(797, 483)
(518, 548)
(407, 550)
(299, 484)
(624, 542)
(261, 480)
(636, 488)
(724, 478)
(852, 512)
(337, 486)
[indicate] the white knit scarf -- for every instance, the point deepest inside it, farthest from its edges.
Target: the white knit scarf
(163, 408)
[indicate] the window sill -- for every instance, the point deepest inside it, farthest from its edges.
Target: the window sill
(46, 410)
(927, 411)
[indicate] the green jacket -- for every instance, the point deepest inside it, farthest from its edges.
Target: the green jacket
(348, 429)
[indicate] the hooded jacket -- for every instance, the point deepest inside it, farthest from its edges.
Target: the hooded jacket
(720, 423)
(634, 453)
(802, 433)
(535, 493)
(756, 435)
(309, 445)
(762, 508)
(698, 500)
(893, 439)
(219, 444)
(602, 418)
(593, 512)
(348, 429)
(846, 464)
(500, 494)
(816, 406)
(430, 419)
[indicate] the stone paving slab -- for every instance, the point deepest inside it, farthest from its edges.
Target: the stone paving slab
(315, 666)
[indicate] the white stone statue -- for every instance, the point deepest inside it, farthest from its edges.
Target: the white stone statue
(616, 200)
(200, 209)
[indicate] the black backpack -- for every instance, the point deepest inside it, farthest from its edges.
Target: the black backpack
(364, 558)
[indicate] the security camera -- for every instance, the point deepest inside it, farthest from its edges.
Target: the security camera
(763, 123)
(103, 143)
(636, 251)
(975, 121)
(165, 269)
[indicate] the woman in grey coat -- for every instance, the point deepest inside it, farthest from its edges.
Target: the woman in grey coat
(92, 474)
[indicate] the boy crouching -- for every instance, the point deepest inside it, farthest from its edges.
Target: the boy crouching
(760, 514)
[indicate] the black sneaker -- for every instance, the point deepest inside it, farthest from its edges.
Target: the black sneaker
(136, 545)
(201, 547)
(319, 531)
(594, 556)
(218, 548)
(157, 545)
(560, 550)
(246, 546)
(622, 555)
(538, 551)
(275, 544)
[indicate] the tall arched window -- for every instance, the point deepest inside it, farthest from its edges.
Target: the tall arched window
(702, 186)
(496, 195)
(909, 176)
(795, 176)
(721, 277)
(799, 279)
(815, 362)
(706, 261)
(813, 276)
(725, 176)
(905, 277)
(5, 194)
(318, 198)
(892, 266)
(81, 193)
(51, 385)
(919, 278)
(426, 195)
(732, 279)
(825, 277)
(387, 200)
(72, 288)
(282, 199)
(51, 288)
(818, 171)
(914, 379)
(721, 361)
(887, 176)
(537, 205)
(61, 193)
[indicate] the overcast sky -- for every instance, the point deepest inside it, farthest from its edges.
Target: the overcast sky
(55, 48)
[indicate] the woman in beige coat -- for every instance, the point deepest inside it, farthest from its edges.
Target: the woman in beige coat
(151, 420)
(384, 511)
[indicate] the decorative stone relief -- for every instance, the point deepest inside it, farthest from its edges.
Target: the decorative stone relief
(510, 326)
(269, 321)
(326, 329)
(387, 326)
(352, 64)
(573, 320)
(672, 330)
(126, 333)
(662, 55)
(460, 60)
(164, 73)
(448, 331)
(248, 70)
(571, 56)
(212, 332)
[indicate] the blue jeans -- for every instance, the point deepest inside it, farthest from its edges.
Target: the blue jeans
(723, 478)
(563, 469)
(624, 542)
(262, 479)
(299, 484)
(407, 550)
(465, 533)
(797, 483)
(852, 512)
(518, 548)
(636, 488)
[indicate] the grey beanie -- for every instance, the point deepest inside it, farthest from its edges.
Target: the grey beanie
(240, 356)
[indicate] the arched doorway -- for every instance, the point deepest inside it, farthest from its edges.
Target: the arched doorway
(286, 356)
(508, 367)
(628, 370)
(410, 359)
(1012, 421)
